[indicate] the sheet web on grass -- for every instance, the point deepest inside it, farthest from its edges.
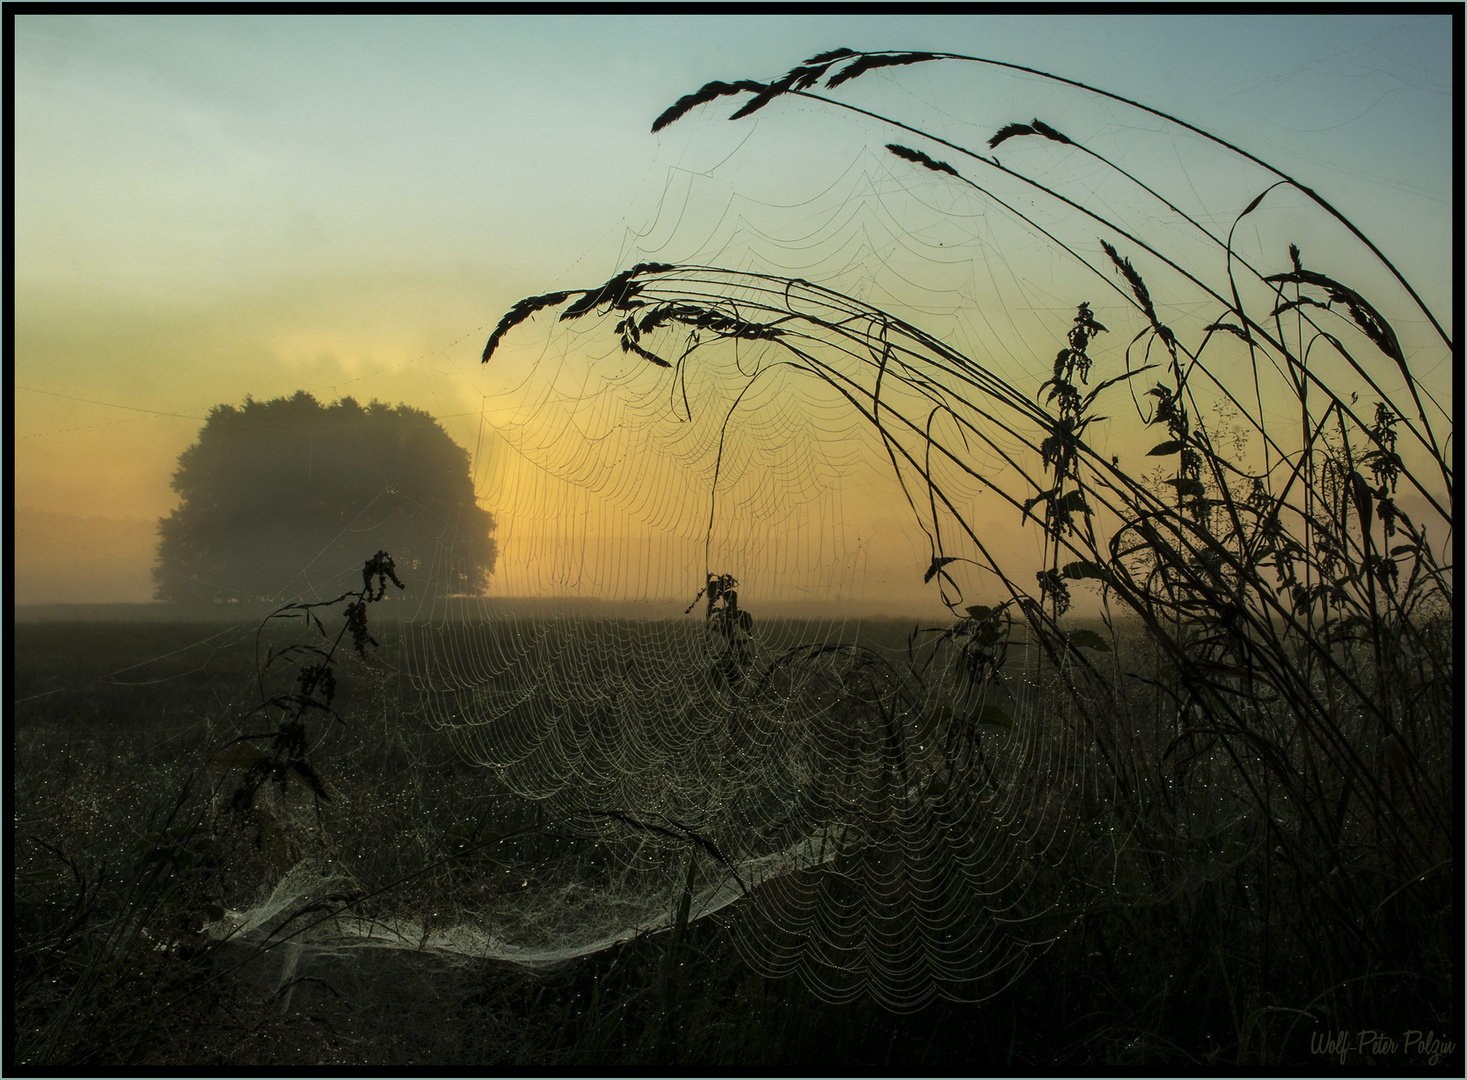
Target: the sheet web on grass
(794, 409)
(779, 747)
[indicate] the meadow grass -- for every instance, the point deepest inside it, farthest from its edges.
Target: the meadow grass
(1179, 933)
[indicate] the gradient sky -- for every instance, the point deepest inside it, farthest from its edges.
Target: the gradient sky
(209, 207)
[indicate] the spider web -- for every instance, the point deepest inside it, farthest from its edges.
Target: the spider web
(836, 417)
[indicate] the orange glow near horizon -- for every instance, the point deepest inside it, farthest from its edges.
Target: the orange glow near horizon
(187, 235)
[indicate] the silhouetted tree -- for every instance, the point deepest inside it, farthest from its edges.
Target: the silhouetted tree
(279, 497)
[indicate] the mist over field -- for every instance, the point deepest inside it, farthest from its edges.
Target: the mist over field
(70, 559)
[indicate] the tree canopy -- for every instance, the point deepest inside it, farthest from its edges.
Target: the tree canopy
(279, 498)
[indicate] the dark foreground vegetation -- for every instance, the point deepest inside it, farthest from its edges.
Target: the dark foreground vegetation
(1217, 951)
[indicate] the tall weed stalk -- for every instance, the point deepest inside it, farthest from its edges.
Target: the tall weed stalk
(113, 956)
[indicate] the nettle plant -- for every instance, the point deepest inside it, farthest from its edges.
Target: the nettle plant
(132, 958)
(278, 755)
(730, 627)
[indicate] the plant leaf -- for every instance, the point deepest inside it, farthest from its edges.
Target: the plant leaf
(1030, 504)
(1082, 569)
(1171, 446)
(937, 564)
(1075, 500)
(1088, 639)
(1185, 485)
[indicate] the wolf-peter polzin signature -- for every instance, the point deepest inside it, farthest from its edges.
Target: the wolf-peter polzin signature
(1342, 1044)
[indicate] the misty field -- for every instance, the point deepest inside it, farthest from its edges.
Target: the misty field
(1173, 927)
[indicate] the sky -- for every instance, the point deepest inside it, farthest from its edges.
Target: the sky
(209, 207)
